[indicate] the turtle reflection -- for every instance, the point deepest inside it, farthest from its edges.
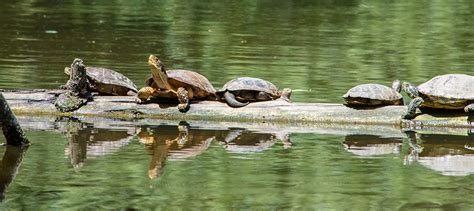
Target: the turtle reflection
(451, 155)
(372, 145)
(243, 141)
(174, 143)
(88, 142)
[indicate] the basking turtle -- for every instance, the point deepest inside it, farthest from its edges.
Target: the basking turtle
(77, 89)
(374, 95)
(108, 82)
(450, 91)
(240, 92)
(184, 85)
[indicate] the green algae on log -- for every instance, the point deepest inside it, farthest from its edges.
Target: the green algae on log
(39, 102)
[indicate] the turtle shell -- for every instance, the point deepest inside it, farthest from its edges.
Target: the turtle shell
(372, 94)
(191, 78)
(459, 87)
(250, 84)
(109, 81)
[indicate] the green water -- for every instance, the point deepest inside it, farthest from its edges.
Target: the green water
(149, 167)
(318, 48)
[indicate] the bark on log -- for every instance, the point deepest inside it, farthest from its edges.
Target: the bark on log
(10, 126)
(39, 102)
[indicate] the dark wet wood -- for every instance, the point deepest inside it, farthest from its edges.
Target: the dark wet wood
(10, 126)
(39, 103)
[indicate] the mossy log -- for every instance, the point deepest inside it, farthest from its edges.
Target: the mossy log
(38, 102)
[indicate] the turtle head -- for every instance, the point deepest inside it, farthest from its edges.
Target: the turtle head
(410, 89)
(285, 94)
(158, 72)
(397, 85)
(67, 70)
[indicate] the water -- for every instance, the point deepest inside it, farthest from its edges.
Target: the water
(318, 48)
(196, 165)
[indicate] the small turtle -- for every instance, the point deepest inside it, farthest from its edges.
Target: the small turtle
(108, 82)
(184, 85)
(450, 91)
(374, 95)
(240, 92)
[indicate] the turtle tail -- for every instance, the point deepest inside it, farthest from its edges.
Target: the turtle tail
(232, 102)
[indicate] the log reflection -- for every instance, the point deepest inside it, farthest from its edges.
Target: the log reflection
(372, 145)
(244, 141)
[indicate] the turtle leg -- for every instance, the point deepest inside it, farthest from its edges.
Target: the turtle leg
(144, 94)
(131, 93)
(469, 108)
(183, 129)
(263, 96)
(183, 97)
(285, 94)
(415, 148)
(411, 112)
(232, 102)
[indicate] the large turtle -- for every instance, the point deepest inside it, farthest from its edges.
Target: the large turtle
(374, 95)
(240, 92)
(184, 85)
(108, 82)
(450, 91)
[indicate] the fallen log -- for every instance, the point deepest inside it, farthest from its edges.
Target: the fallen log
(39, 102)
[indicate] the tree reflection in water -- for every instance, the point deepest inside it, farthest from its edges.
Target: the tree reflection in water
(9, 166)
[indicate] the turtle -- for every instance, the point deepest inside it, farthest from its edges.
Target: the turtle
(241, 91)
(449, 91)
(108, 82)
(77, 89)
(374, 95)
(185, 85)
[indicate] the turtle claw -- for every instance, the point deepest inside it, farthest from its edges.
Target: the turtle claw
(469, 108)
(139, 101)
(408, 116)
(183, 108)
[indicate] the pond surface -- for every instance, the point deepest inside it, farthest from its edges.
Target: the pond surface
(200, 166)
(318, 48)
